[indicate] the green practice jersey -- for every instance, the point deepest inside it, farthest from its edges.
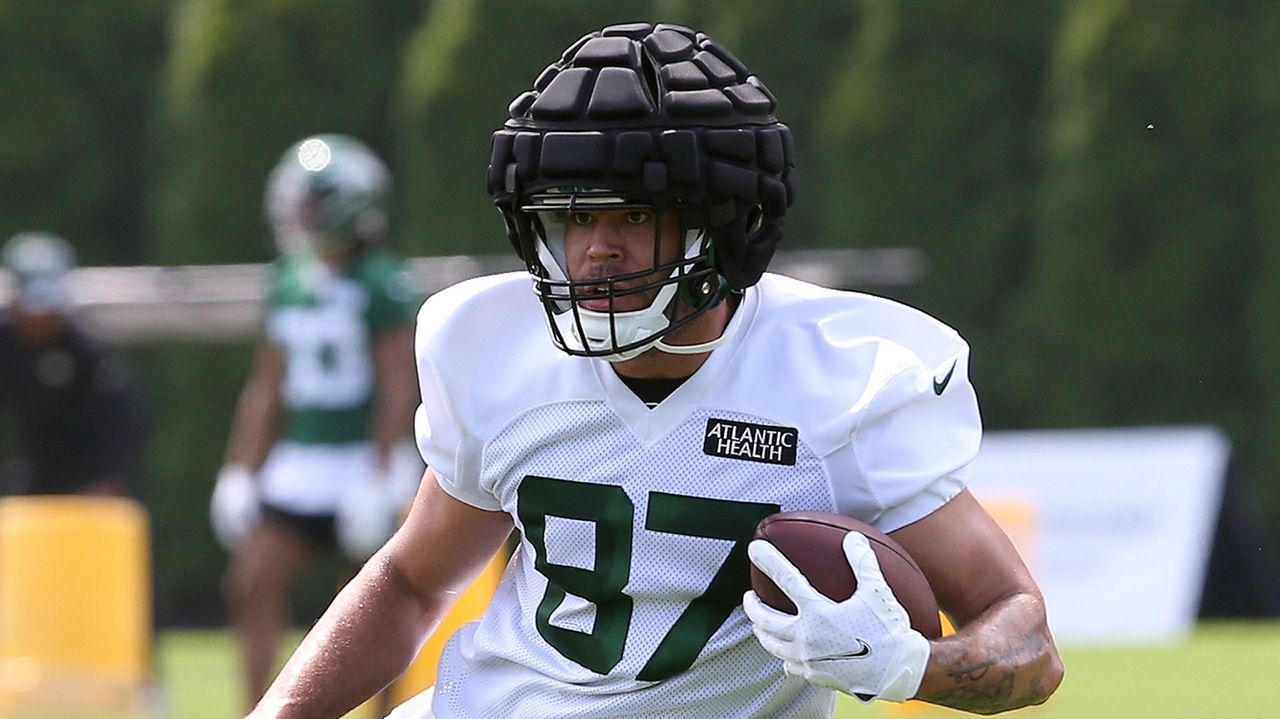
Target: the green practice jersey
(325, 322)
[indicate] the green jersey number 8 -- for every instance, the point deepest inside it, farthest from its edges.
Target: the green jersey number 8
(328, 361)
(612, 512)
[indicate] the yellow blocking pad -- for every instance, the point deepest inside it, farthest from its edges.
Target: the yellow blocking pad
(470, 605)
(75, 604)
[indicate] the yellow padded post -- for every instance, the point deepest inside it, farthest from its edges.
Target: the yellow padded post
(471, 605)
(75, 604)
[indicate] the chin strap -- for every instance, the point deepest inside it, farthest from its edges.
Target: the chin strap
(696, 348)
(670, 349)
(674, 349)
(711, 344)
(690, 349)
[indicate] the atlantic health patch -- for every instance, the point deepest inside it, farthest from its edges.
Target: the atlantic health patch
(751, 442)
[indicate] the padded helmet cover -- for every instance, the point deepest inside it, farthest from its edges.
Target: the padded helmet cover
(661, 114)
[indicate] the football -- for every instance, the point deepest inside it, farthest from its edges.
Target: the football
(812, 542)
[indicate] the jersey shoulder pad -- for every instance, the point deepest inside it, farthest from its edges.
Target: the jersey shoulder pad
(477, 312)
(286, 284)
(393, 291)
(841, 318)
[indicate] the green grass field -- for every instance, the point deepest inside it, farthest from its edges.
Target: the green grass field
(1226, 670)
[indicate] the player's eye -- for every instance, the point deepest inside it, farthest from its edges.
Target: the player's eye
(580, 218)
(639, 217)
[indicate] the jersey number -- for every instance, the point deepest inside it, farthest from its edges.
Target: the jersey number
(328, 357)
(611, 511)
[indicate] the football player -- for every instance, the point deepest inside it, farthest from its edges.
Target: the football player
(83, 421)
(318, 456)
(685, 395)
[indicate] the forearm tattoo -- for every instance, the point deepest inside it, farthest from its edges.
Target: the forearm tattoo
(994, 674)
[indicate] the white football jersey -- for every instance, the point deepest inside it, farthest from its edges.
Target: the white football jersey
(624, 597)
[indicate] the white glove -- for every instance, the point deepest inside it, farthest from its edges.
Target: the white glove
(233, 509)
(863, 646)
(367, 515)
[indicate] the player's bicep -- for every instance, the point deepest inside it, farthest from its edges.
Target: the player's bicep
(445, 542)
(968, 559)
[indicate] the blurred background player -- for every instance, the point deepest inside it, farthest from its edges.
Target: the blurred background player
(318, 457)
(81, 419)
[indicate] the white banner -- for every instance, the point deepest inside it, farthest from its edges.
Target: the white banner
(1116, 524)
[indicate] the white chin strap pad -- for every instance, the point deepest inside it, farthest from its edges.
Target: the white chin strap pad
(606, 330)
(602, 341)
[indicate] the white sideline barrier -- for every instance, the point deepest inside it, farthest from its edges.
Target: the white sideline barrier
(1121, 523)
(223, 303)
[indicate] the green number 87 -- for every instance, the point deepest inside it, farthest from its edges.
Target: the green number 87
(612, 512)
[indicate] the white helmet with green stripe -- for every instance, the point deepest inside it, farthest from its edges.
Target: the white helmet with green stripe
(39, 263)
(327, 194)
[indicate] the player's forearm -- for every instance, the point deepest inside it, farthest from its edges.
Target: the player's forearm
(1003, 660)
(366, 638)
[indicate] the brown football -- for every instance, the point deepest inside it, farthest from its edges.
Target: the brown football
(812, 541)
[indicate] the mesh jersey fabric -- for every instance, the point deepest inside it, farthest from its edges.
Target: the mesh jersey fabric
(623, 598)
(324, 322)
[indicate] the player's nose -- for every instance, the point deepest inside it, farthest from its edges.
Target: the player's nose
(606, 241)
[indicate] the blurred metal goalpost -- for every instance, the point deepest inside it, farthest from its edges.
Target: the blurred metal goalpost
(223, 303)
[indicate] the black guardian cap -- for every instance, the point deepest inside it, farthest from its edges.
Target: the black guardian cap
(653, 115)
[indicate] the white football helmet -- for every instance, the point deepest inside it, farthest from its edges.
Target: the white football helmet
(327, 194)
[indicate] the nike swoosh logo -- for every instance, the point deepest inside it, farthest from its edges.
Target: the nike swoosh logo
(941, 384)
(863, 650)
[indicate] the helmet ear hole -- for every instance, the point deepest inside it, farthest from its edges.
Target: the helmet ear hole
(700, 291)
(509, 221)
(755, 220)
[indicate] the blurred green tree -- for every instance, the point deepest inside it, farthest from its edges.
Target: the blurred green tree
(1261, 79)
(78, 80)
(465, 64)
(244, 80)
(928, 139)
(472, 57)
(792, 47)
(195, 388)
(1146, 241)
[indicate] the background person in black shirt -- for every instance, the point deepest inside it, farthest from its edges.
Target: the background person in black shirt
(80, 418)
